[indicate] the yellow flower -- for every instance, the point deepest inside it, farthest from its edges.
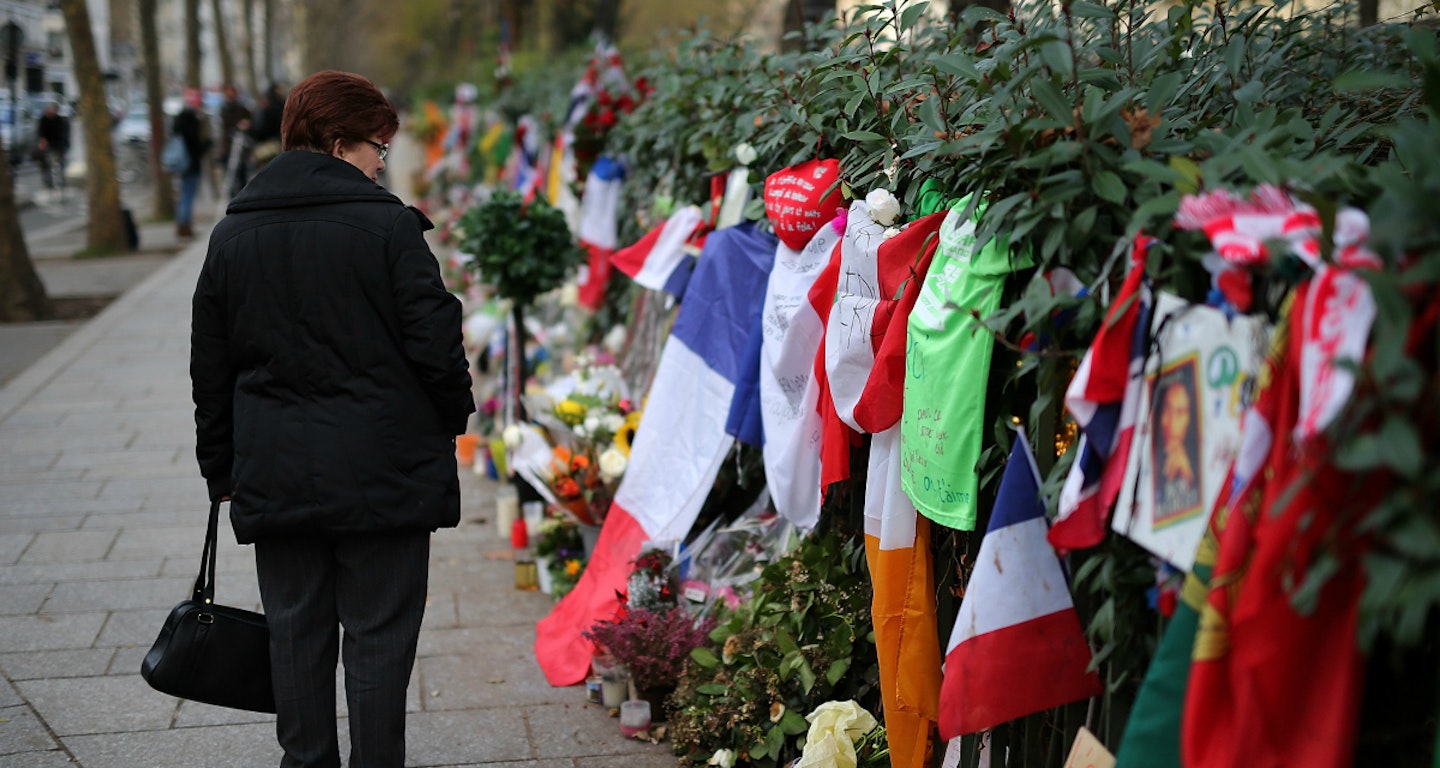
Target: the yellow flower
(626, 433)
(571, 412)
(572, 567)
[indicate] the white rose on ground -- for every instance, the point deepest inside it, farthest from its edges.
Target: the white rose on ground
(723, 758)
(744, 153)
(612, 464)
(512, 436)
(884, 208)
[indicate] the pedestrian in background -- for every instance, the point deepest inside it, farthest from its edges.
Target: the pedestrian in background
(52, 144)
(265, 128)
(329, 383)
(190, 126)
(231, 159)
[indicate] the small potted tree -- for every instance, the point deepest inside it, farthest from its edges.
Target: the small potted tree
(523, 249)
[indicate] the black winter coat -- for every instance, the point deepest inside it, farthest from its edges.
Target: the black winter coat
(326, 360)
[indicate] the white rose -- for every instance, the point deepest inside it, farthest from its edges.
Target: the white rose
(723, 758)
(889, 233)
(613, 422)
(612, 464)
(592, 423)
(834, 727)
(884, 208)
(744, 153)
(512, 436)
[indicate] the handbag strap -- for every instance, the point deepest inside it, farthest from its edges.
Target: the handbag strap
(205, 580)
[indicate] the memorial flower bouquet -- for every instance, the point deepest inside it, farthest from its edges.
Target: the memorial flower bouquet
(591, 458)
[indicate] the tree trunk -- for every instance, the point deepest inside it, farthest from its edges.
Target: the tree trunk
(163, 204)
(107, 225)
(192, 44)
(252, 83)
(222, 43)
(267, 35)
(22, 295)
(1369, 12)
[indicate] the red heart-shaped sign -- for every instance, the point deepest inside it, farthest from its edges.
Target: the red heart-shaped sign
(801, 199)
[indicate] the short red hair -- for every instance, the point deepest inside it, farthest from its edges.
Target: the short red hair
(331, 105)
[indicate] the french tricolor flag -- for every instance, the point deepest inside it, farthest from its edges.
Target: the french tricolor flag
(680, 444)
(1017, 647)
(1104, 397)
(659, 260)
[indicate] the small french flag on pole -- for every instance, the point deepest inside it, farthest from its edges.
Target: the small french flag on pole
(1017, 647)
(661, 260)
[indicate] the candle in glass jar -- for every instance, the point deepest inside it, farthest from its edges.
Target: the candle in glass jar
(613, 690)
(634, 717)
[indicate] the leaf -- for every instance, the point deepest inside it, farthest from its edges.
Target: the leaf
(1086, 10)
(1049, 96)
(1056, 55)
(712, 689)
(1109, 187)
(807, 676)
(1189, 172)
(1369, 80)
(837, 670)
(862, 136)
(705, 657)
(774, 742)
(793, 723)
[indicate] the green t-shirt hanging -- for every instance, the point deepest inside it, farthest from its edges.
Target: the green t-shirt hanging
(947, 362)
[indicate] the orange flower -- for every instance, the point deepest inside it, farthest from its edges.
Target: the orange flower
(562, 454)
(567, 487)
(580, 461)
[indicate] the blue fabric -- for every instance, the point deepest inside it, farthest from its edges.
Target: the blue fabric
(744, 422)
(608, 168)
(679, 278)
(725, 296)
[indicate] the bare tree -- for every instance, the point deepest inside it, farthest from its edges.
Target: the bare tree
(268, 36)
(22, 295)
(222, 42)
(192, 43)
(107, 225)
(251, 82)
(163, 203)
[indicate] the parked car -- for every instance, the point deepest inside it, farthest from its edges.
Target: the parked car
(17, 128)
(134, 125)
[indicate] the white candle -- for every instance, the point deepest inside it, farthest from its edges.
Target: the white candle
(507, 509)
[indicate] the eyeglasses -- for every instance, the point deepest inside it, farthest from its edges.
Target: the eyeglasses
(380, 149)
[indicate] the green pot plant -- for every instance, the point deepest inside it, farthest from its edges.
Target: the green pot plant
(522, 248)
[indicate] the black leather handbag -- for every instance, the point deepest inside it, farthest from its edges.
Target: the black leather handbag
(212, 653)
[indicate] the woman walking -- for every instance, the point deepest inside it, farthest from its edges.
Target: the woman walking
(329, 382)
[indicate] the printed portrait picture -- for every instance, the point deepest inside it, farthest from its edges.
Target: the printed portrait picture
(1175, 431)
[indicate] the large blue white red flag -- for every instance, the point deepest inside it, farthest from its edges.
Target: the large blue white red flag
(680, 444)
(1104, 398)
(1017, 647)
(659, 260)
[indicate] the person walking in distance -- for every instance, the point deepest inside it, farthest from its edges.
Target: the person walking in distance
(329, 382)
(231, 159)
(52, 144)
(190, 126)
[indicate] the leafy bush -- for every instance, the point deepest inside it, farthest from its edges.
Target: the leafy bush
(802, 639)
(522, 249)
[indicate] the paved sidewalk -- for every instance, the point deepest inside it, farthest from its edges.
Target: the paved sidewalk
(102, 512)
